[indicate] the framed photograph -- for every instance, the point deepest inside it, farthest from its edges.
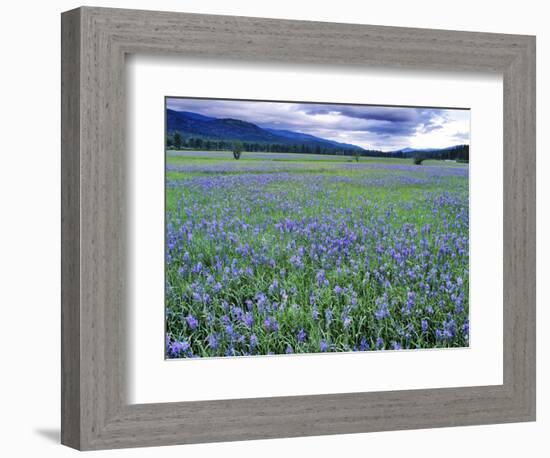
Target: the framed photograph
(277, 228)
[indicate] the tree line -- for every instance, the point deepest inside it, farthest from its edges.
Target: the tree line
(459, 153)
(176, 141)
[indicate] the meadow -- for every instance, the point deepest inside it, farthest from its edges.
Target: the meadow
(281, 253)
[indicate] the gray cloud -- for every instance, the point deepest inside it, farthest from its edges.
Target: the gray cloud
(380, 127)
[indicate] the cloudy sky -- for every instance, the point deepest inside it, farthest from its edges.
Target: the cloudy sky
(376, 127)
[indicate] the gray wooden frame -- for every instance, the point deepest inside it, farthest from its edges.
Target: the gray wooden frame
(95, 413)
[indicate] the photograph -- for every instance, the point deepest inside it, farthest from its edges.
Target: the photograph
(296, 227)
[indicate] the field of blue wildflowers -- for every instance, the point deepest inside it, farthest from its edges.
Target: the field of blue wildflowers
(306, 256)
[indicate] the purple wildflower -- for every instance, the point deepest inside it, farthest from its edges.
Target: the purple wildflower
(249, 319)
(328, 316)
(315, 313)
(192, 322)
(176, 348)
(396, 345)
(424, 325)
(212, 341)
(253, 341)
(382, 311)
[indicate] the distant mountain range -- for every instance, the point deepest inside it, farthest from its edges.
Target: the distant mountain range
(190, 124)
(206, 128)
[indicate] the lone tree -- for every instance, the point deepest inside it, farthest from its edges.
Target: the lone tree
(356, 156)
(237, 149)
(177, 140)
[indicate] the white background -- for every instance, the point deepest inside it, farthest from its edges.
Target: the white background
(291, 375)
(29, 229)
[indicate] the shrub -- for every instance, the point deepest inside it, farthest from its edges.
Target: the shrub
(177, 140)
(237, 149)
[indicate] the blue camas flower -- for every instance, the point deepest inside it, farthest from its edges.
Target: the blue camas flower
(424, 325)
(192, 322)
(382, 311)
(176, 349)
(395, 345)
(212, 341)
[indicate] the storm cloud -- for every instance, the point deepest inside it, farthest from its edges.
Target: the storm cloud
(384, 128)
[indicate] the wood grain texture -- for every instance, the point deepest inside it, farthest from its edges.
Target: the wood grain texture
(70, 229)
(95, 411)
